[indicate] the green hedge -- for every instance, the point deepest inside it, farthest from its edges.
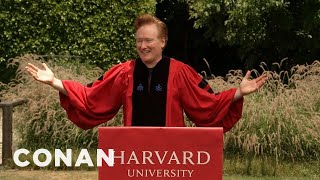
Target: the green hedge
(99, 31)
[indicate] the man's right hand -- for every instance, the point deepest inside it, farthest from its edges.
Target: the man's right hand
(45, 76)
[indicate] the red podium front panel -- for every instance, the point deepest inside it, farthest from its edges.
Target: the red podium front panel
(146, 153)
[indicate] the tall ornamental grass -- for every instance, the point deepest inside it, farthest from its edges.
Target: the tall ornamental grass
(42, 123)
(280, 123)
(283, 119)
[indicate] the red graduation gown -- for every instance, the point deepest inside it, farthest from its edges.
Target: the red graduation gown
(90, 106)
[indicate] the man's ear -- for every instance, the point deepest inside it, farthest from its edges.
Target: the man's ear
(163, 40)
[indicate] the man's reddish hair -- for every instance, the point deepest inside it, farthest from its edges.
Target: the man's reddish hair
(145, 19)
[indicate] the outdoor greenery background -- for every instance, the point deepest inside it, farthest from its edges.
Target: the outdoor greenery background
(280, 123)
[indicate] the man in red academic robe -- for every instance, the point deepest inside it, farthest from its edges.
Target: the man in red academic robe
(154, 90)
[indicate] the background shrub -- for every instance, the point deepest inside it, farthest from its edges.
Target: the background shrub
(101, 32)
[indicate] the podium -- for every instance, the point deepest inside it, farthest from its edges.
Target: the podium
(149, 153)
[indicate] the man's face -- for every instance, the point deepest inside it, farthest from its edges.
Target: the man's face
(149, 44)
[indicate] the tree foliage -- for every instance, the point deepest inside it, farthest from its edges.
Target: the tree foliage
(99, 31)
(263, 30)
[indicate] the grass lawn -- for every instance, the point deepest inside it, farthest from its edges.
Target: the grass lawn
(233, 170)
(93, 175)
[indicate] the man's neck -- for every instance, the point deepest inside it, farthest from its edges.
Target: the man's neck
(153, 63)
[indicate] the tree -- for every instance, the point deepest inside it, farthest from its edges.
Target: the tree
(265, 30)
